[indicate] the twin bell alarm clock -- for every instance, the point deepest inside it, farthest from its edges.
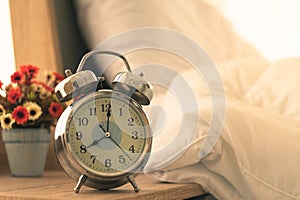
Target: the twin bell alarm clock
(103, 138)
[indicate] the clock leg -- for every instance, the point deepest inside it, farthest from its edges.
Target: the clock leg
(131, 180)
(80, 182)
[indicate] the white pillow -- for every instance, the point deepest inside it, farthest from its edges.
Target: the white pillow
(278, 89)
(101, 19)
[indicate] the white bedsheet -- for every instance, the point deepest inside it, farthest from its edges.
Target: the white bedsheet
(256, 157)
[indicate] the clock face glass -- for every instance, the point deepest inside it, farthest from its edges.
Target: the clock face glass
(107, 135)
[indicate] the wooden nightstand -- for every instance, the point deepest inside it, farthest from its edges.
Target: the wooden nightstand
(56, 185)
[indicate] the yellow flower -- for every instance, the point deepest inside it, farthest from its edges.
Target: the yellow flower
(36, 87)
(2, 110)
(40, 91)
(50, 77)
(7, 121)
(34, 110)
(44, 94)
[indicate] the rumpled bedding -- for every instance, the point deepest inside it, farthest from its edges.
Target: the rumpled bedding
(258, 152)
(257, 155)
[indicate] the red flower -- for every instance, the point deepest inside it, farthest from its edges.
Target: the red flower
(58, 76)
(30, 71)
(14, 94)
(55, 109)
(1, 84)
(17, 77)
(20, 115)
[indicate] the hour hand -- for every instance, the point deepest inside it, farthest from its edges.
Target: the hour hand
(95, 142)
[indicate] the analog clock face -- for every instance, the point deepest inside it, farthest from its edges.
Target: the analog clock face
(107, 134)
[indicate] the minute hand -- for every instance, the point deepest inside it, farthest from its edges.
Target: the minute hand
(108, 116)
(120, 147)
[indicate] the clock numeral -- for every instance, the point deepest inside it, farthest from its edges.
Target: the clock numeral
(83, 121)
(135, 135)
(93, 158)
(83, 149)
(105, 107)
(93, 111)
(122, 159)
(78, 135)
(121, 111)
(107, 163)
(130, 121)
(132, 149)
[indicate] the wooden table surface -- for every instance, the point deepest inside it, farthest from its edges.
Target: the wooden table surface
(56, 185)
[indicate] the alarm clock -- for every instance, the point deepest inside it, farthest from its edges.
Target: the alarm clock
(103, 138)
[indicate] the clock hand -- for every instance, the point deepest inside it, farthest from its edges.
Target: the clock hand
(119, 147)
(108, 135)
(108, 115)
(95, 142)
(102, 128)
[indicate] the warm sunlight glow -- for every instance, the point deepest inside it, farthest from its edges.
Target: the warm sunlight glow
(272, 26)
(7, 60)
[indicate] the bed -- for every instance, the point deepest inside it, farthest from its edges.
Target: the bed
(256, 151)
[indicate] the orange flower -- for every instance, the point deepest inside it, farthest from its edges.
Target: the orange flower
(20, 115)
(55, 109)
(14, 94)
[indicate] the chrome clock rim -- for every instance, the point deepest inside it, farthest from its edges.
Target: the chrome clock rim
(95, 179)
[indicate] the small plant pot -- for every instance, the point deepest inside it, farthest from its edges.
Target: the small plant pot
(26, 150)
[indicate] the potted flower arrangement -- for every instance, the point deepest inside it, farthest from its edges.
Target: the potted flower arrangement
(28, 107)
(27, 102)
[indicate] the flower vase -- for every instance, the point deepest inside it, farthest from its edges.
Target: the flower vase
(26, 150)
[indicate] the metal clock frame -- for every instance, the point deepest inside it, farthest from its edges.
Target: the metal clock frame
(90, 177)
